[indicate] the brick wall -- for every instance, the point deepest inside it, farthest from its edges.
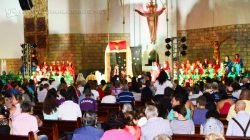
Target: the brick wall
(86, 51)
(198, 49)
(12, 65)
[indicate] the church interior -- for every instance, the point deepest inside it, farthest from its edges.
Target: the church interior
(175, 60)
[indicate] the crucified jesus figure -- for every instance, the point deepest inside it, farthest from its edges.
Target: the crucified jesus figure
(216, 43)
(152, 18)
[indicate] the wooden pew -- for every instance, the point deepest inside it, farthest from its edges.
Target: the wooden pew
(108, 107)
(197, 129)
(50, 132)
(31, 136)
(105, 109)
(63, 126)
(202, 137)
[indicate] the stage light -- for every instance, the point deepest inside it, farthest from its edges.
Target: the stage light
(167, 53)
(23, 45)
(183, 39)
(184, 46)
(34, 45)
(183, 53)
(167, 40)
(168, 46)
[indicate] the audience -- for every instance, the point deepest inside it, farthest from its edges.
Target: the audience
(127, 107)
(130, 125)
(214, 136)
(244, 96)
(116, 125)
(108, 98)
(4, 122)
(181, 125)
(199, 115)
(178, 99)
(125, 96)
(212, 124)
(162, 137)
(146, 93)
(88, 103)
(239, 125)
(89, 131)
(50, 110)
(155, 125)
(24, 122)
(135, 121)
(161, 83)
(16, 101)
(69, 110)
(42, 92)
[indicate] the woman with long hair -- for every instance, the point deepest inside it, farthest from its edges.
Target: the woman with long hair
(50, 106)
(131, 126)
(115, 128)
(161, 83)
(16, 101)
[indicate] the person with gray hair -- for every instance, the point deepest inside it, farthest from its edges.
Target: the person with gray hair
(89, 130)
(127, 108)
(239, 125)
(155, 125)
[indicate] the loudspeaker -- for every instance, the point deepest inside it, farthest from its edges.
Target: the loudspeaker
(26, 4)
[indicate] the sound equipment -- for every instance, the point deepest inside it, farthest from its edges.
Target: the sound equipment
(26, 4)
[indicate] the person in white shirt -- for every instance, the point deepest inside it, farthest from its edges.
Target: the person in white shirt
(69, 110)
(42, 92)
(108, 98)
(161, 83)
(239, 125)
(155, 125)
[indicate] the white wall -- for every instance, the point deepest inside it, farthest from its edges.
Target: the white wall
(11, 29)
(86, 16)
(193, 14)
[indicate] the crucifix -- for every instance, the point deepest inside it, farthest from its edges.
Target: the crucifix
(152, 17)
(216, 41)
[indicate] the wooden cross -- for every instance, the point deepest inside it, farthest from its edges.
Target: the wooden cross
(216, 41)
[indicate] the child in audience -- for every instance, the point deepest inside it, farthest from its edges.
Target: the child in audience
(199, 115)
(181, 125)
(212, 124)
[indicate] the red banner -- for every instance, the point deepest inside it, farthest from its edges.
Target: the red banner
(117, 45)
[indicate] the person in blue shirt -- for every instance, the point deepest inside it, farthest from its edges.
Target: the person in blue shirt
(89, 131)
(179, 99)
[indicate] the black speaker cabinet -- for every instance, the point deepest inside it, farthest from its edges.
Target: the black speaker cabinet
(26, 4)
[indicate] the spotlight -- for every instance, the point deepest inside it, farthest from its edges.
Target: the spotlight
(184, 46)
(34, 45)
(183, 39)
(183, 53)
(167, 53)
(167, 40)
(168, 46)
(23, 45)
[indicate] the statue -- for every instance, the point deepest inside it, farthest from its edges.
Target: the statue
(152, 18)
(216, 43)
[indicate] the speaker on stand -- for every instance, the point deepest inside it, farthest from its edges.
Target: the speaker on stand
(26, 4)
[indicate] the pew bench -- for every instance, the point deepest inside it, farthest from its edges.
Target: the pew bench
(62, 126)
(31, 136)
(202, 137)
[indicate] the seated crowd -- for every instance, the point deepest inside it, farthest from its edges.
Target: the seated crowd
(163, 109)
